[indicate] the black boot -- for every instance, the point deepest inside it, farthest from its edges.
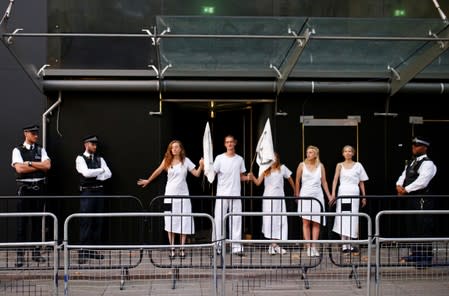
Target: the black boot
(20, 258)
(36, 256)
(82, 256)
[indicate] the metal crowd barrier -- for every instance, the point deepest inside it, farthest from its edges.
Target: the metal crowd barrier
(429, 275)
(243, 274)
(156, 204)
(267, 269)
(102, 273)
(132, 202)
(25, 280)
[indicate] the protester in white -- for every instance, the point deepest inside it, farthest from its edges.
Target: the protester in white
(229, 168)
(275, 227)
(350, 177)
(310, 182)
(176, 164)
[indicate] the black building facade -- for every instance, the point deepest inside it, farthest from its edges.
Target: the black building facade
(234, 65)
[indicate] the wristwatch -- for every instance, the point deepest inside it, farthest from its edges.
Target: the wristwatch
(30, 163)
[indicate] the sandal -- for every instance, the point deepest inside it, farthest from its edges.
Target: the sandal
(172, 253)
(182, 254)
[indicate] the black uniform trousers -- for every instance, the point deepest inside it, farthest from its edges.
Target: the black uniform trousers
(91, 228)
(420, 226)
(30, 205)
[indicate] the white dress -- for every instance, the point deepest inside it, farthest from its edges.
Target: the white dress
(349, 185)
(177, 185)
(275, 227)
(311, 187)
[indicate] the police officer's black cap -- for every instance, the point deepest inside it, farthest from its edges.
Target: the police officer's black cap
(31, 128)
(420, 141)
(91, 139)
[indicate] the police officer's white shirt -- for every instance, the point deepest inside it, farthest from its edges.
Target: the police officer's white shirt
(101, 174)
(426, 172)
(17, 157)
(228, 170)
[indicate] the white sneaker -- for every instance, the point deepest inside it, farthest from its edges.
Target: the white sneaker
(314, 252)
(280, 250)
(271, 250)
(309, 252)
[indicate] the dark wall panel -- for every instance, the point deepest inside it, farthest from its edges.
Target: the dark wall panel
(22, 103)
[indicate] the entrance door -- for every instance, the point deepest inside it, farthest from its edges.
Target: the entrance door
(330, 136)
(187, 123)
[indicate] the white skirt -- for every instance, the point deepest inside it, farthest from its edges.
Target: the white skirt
(182, 225)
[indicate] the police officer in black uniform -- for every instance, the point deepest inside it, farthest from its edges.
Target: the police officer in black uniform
(415, 182)
(93, 171)
(31, 164)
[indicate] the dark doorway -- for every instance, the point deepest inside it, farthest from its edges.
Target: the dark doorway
(187, 123)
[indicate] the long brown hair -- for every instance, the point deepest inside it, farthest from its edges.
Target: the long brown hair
(168, 157)
(274, 166)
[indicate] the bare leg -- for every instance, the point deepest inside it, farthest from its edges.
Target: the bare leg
(315, 231)
(171, 238)
(183, 242)
(171, 241)
(306, 230)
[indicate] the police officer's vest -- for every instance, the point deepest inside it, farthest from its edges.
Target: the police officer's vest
(34, 154)
(94, 163)
(411, 174)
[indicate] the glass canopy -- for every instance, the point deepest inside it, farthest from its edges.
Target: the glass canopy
(252, 47)
(338, 47)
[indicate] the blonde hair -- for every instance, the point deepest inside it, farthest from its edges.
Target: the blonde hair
(348, 146)
(317, 153)
(168, 157)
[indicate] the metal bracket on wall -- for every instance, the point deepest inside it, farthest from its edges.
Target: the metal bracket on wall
(41, 71)
(153, 39)
(161, 73)
(7, 14)
(10, 39)
(155, 70)
(157, 113)
(156, 40)
(394, 72)
(440, 42)
(164, 70)
(416, 120)
(278, 73)
(351, 120)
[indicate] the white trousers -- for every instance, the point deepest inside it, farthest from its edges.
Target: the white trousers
(235, 222)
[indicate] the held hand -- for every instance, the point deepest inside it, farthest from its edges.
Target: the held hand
(143, 182)
(363, 202)
(250, 177)
(202, 163)
(332, 200)
(253, 178)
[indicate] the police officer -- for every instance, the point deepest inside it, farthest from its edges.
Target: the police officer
(31, 164)
(93, 171)
(415, 182)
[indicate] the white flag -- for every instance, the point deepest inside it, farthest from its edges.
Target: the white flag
(208, 155)
(264, 150)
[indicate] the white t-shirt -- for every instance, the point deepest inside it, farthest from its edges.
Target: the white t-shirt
(274, 183)
(228, 170)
